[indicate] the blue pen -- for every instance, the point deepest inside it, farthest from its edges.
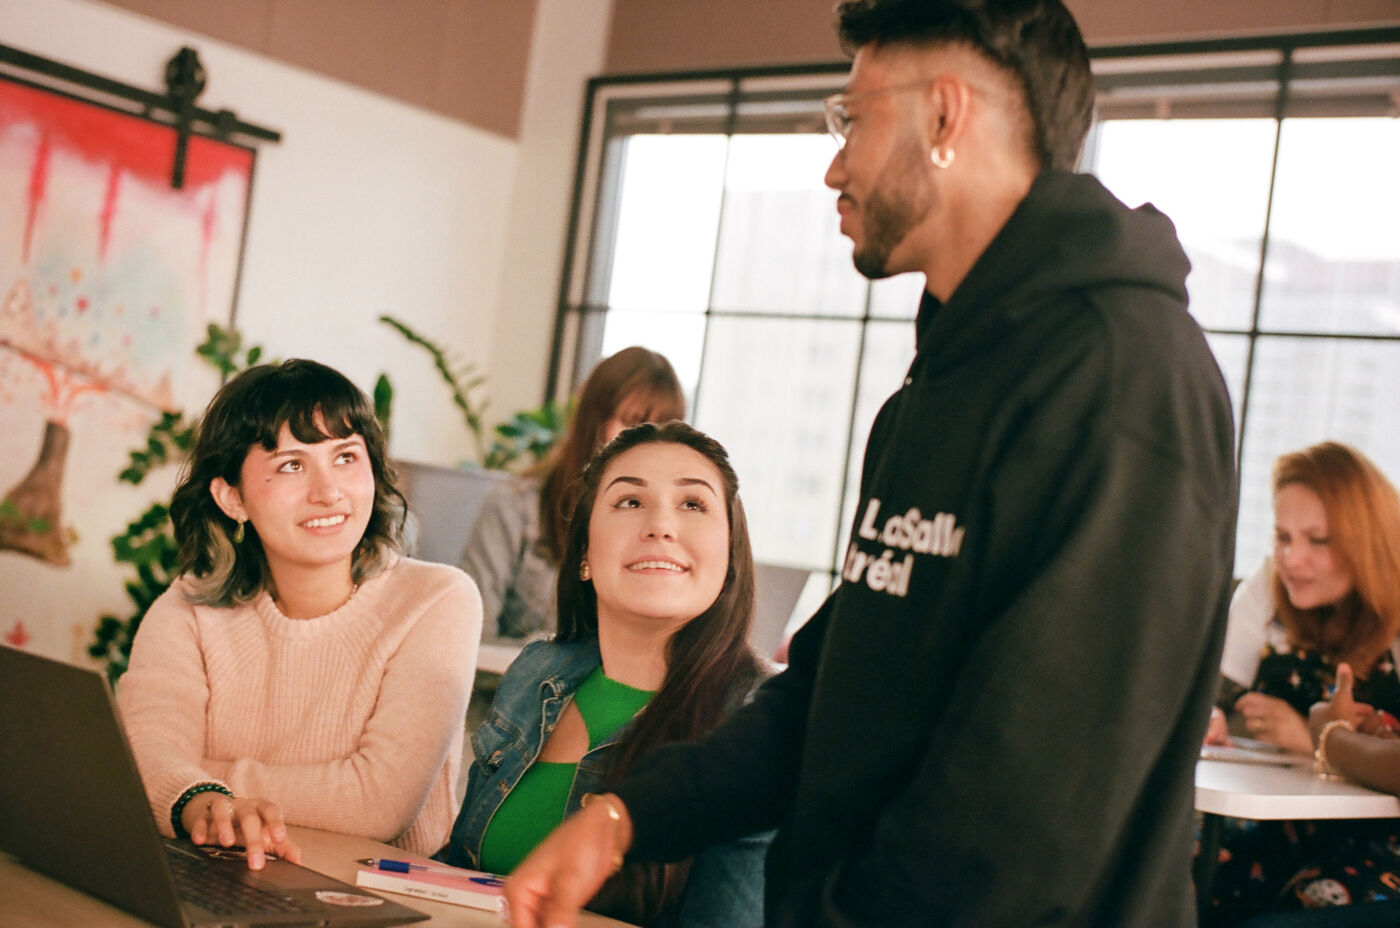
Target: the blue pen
(403, 866)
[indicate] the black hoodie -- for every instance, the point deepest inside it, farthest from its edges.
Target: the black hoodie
(994, 719)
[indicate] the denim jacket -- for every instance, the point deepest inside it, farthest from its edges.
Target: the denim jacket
(725, 886)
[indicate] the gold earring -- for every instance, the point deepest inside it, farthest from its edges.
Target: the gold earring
(238, 533)
(583, 572)
(941, 158)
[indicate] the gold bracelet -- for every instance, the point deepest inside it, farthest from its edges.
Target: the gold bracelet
(615, 814)
(1321, 766)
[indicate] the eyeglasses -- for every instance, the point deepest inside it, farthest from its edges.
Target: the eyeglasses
(838, 121)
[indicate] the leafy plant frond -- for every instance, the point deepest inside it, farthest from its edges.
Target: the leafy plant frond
(461, 380)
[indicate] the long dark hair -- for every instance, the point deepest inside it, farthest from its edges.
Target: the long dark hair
(703, 658)
(631, 375)
(1363, 520)
(317, 403)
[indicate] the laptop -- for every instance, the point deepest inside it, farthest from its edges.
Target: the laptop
(72, 807)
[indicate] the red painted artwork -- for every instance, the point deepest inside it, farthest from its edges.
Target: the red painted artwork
(17, 637)
(108, 278)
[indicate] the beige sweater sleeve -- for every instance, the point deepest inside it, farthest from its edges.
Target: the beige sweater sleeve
(162, 698)
(351, 722)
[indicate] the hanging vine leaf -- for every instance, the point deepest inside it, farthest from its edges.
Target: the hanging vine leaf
(461, 381)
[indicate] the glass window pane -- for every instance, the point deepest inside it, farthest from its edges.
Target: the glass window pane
(1334, 239)
(780, 247)
(1232, 354)
(1306, 390)
(888, 352)
(897, 297)
(1211, 176)
(777, 393)
(667, 217)
(679, 336)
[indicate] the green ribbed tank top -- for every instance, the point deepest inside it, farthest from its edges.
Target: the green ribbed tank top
(536, 805)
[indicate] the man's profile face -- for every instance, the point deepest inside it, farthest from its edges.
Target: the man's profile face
(882, 173)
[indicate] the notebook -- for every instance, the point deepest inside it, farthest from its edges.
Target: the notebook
(72, 807)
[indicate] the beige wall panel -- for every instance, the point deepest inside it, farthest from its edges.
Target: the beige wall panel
(393, 48)
(679, 35)
(676, 35)
(465, 59)
(1377, 12)
(483, 61)
(1113, 21)
(244, 23)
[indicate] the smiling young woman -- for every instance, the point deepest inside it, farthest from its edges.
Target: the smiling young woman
(518, 539)
(301, 670)
(655, 599)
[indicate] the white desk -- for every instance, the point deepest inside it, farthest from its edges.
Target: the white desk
(30, 900)
(1268, 792)
(1259, 791)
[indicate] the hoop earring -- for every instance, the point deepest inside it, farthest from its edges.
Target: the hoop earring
(238, 533)
(584, 573)
(941, 158)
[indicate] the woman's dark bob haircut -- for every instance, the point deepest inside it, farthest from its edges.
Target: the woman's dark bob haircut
(317, 403)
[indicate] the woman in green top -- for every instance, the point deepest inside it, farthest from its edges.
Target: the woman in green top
(655, 600)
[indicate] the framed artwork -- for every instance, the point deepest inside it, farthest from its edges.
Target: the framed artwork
(108, 279)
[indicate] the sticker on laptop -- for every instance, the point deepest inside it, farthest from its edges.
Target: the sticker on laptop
(336, 897)
(229, 853)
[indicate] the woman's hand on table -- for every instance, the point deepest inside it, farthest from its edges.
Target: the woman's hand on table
(1218, 730)
(1270, 719)
(256, 824)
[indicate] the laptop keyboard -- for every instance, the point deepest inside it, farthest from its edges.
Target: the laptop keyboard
(216, 891)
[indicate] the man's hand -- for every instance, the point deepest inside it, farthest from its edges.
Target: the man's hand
(254, 823)
(1343, 705)
(570, 866)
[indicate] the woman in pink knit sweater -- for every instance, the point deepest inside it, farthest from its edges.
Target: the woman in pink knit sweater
(301, 670)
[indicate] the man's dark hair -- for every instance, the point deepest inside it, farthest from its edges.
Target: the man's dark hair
(1035, 40)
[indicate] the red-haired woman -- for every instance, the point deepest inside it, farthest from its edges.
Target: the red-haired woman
(1330, 594)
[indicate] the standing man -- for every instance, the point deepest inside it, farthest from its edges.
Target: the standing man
(994, 719)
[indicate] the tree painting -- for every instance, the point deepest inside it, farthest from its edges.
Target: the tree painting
(108, 277)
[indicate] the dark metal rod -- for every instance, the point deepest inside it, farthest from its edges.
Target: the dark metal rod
(221, 123)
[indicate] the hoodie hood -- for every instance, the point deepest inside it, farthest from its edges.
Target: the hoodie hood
(1069, 234)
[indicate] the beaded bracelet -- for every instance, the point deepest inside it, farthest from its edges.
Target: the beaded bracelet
(1321, 765)
(178, 809)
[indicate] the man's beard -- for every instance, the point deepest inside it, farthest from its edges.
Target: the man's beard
(891, 210)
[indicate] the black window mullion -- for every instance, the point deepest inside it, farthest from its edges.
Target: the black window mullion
(1281, 107)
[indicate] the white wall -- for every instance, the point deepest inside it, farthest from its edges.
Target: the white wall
(567, 48)
(366, 206)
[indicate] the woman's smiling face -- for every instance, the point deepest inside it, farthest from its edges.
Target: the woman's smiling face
(309, 503)
(658, 536)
